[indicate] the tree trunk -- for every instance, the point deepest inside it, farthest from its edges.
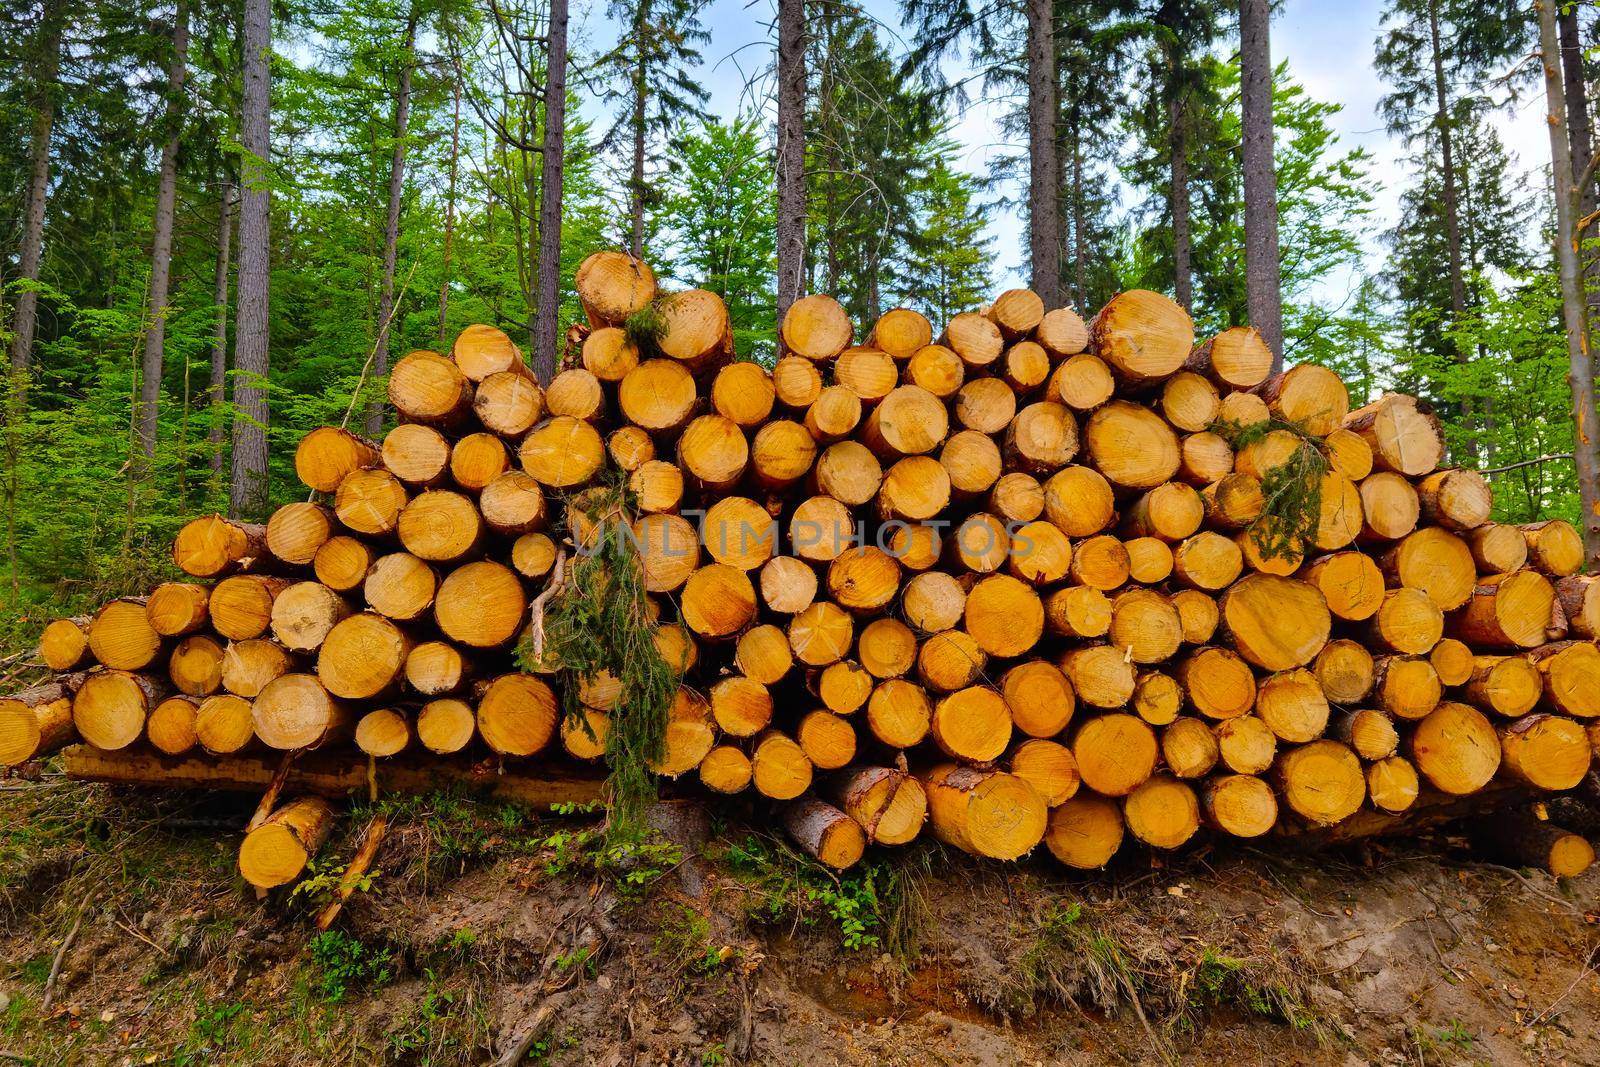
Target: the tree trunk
(450, 209)
(636, 182)
(1178, 195)
(1580, 373)
(1580, 137)
(216, 390)
(248, 496)
(1264, 299)
(391, 222)
(1044, 171)
(791, 161)
(155, 337)
(27, 314)
(555, 107)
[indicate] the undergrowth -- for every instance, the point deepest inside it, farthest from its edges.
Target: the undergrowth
(875, 905)
(344, 964)
(1292, 490)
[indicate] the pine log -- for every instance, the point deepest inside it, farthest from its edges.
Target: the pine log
(1162, 812)
(1457, 499)
(211, 547)
(325, 457)
(888, 804)
(796, 382)
(446, 726)
(171, 725)
(1435, 561)
(1370, 733)
(984, 813)
(718, 601)
(1408, 622)
(383, 732)
(742, 707)
(825, 833)
(1189, 748)
(1131, 445)
(576, 392)
(909, 421)
(1207, 561)
(950, 660)
(562, 452)
(224, 724)
(1520, 839)
(780, 769)
(936, 369)
(481, 350)
(1452, 660)
(739, 532)
(1233, 501)
(1392, 784)
(1276, 623)
(788, 586)
(110, 707)
(295, 711)
(972, 724)
(1204, 458)
(1344, 669)
(1236, 358)
(901, 332)
(1293, 706)
(1157, 697)
(1455, 748)
(1348, 453)
(1322, 782)
(1101, 562)
(37, 722)
(1407, 687)
(726, 770)
(195, 665)
(1101, 676)
(1047, 766)
(417, 455)
(480, 605)
(400, 586)
(1150, 560)
(887, 648)
(1085, 831)
(363, 656)
(1507, 685)
(64, 644)
(369, 501)
(1310, 397)
(1199, 614)
(1350, 582)
(1039, 697)
(1554, 547)
(304, 613)
(1389, 505)
(1082, 382)
(1569, 674)
(842, 686)
(1546, 751)
(510, 404)
(973, 337)
(1240, 805)
(828, 740)
(1115, 753)
(1245, 745)
(1142, 336)
(973, 462)
(612, 286)
(121, 637)
(277, 852)
(342, 563)
(428, 388)
(518, 714)
(1579, 597)
(986, 405)
(1506, 611)
(1079, 501)
(296, 531)
(175, 609)
(1403, 438)
(247, 666)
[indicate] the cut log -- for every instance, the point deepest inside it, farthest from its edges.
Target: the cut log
(1189, 748)
(1218, 683)
(1245, 745)
(796, 382)
(1507, 685)
(889, 805)
(742, 707)
(915, 489)
(1408, 622)
(630, 447)
(304, 613)
(1085, 831)
(950, 660)
(437, 668)
(1322, 782)
(1083, 382)
(719, 601)
(779, 768)
(979, 545)
(1101, 676)
(1150, 560)
(1521, 840)
(1047, 766)
(1578, 595)
(669, 550)
(1236, 358)
(781, 454)
(1233, 501)
(1569, 673)
(1039, 697)
(972, 461)
(936, 369)
(296, 531)
(383, 732)
(726, 770)
(1546, 751)
(1208, 561)
(419, 456)
(363, 656)
(1293, 706)
(36, 722)
(972, 724)
(1453, 660)
(121, 637)
(211, 547)
(1498, 548)
(172, 608)
(1310, 397)
(1115, 753)
(1554, 547)
(1204, 458)
(1344, 670)
(713, 453)
(576, 392)
(842, 686)
(1435, 561)
(1240, 805)
(247, 666)
(739, 532)
(295, 711)
(659, 396)
(400, 586)
(171, 726)
(277, 852)
(788, 586)
(887, 648)
(901, 332)
(224, 724)
(509, 404)
(533, 555)
(481, 350)
(1025, 367)
(1348, 453)
(934, 601)
(1079, 501)
(1389, 505)
(828, 741)
(64, 644)
(818, 636)
(612, 287)
(110, 708)
(1241, 409)
(342, 563)
(1142, 336)
(834, 413)
(325, 457)
(816, 327)
(518, 714)
(1350, 582)
(974, 338)
(1131, 445)
(1457, 499)
(562, 452)
(241, 606)
(1392, 784)
(369, 501)
(866, 372)
(480, 605)
(1199, 614)
(478, 459)
(984, 813)
(1276, 623)
(1171, 511)
(909, 421)
(1004, 616)
(1507, 611)
(1370, 733)
(1190, 402)
(1157, 697)
(1407, 687)
(511, 505)
(195, 665)
(426, 387)
(899, 713)
(446, 726)
(763, 655)
(1145, 624)
(825, 833)
(1403, 438)
(1162, 812)
(1455, 748)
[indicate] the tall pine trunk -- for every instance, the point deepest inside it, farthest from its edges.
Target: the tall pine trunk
(637, 119)
(155, 338)
(450, 208)
(251, 360)
(391, 221)
(791, 161)
(1044, 168)
(555, 108)
(1452, 205)
(216, 391)
(1264, 299)
(26, 317)
(1580, 134)
(1580, 365)
(1178, 200)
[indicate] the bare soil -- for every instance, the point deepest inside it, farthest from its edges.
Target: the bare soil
(482, 920)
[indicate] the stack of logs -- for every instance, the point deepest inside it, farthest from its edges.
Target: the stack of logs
(1026, 580)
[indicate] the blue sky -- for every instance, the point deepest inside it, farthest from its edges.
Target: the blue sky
(1329, 48)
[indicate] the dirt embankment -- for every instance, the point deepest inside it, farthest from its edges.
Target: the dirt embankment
(481, 920)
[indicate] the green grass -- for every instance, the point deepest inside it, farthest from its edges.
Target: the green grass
(344, 964)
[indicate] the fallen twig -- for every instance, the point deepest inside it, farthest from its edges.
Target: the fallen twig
(55, 965)
(536, 1027)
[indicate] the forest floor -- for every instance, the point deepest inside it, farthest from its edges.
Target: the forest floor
(482, 919)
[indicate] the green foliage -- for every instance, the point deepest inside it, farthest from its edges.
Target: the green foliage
(217, 1028)
(446, 1026)
(1291, 491)
(874, 905)
(598, 623)
(345, 964)
(1216, 979)
(632, 863)
(645, 328)
(322, 881)
(683, 940)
